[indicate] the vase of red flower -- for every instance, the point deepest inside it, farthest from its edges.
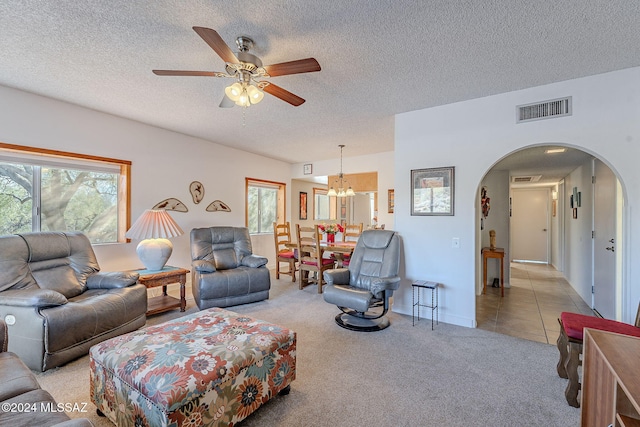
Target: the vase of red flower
(331, 230)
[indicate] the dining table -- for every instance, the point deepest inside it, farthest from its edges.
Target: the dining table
(340, 250)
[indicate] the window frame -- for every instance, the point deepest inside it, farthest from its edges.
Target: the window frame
(57, 156)
(281, 187)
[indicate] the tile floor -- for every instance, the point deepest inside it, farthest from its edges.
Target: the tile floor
(531, 307)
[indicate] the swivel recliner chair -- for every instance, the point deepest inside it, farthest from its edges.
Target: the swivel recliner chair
(362, 290)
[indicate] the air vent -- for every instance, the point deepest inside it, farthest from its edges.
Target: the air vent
(525, 179)
(544, 110)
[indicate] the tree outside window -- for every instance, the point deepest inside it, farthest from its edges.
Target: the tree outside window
(265, 205)
(53, 196)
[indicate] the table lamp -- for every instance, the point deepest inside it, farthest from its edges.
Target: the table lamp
(155, 228)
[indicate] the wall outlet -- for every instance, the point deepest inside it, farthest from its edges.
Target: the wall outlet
(455, 243)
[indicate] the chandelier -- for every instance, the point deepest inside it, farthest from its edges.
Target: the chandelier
(341, 182)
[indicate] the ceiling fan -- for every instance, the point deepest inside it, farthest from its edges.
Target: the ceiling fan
(247, 70)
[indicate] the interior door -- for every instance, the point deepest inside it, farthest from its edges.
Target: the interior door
(604, 244)
(530, 224)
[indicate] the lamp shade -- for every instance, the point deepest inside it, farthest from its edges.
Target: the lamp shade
(155, 227)
(154, 224)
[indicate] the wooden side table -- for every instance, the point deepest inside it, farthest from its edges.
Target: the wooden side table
(492, 253)
(164, 277)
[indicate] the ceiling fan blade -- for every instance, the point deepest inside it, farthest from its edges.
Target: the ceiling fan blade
(226, 102)
(308, 65)
(213, 39)
(186, 73)
(285, 95)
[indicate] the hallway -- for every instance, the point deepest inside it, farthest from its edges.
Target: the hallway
(531, 307)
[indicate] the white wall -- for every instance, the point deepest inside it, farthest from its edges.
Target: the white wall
(164, 163)
(557, 227)
(472, 136)
(497, 183)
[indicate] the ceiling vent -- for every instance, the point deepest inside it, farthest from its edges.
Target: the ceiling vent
(544, 110)
(525, 179)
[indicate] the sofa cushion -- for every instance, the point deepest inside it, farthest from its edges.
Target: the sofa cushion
(225, 259)
(238, 281)
(14, 269)
(40, 418)
(95, 312)
(61, 261)
(15, 378)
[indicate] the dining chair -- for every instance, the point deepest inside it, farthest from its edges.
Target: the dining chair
(351, 233)
(282, 236)
(310, 258)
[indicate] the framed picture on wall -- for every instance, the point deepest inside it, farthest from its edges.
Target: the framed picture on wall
(391, 200)
(432, 191)
(303, 205)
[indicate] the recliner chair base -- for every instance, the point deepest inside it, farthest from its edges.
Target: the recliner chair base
(361, 324)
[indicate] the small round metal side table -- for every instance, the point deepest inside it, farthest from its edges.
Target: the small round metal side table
(433, 287)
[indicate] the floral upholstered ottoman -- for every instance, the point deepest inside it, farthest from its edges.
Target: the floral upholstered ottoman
(211, 368)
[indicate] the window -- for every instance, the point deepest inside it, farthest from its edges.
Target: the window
(265, 205)
(45, 190)
(321, 204)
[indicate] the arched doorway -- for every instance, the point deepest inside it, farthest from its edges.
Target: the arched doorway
(566, 280)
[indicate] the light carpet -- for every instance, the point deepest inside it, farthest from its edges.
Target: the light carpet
(402, 376)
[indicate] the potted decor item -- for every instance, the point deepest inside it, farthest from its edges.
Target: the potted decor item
(331, 230)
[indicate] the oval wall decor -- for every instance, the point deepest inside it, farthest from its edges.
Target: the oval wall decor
(171, 204)
(218, 206)
(197, 191)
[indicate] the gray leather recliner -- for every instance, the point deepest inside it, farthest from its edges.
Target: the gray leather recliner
(363, 290)
(224, 270)
(57, 303)
(23, 401)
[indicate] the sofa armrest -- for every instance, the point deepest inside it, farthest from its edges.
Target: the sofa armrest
(4, 337)
(254, 261)
(381, 284)
(34, 297)
(203, 266)
(338, 276)
(111, 280)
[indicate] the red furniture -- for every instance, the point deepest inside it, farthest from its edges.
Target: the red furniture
(570, 345)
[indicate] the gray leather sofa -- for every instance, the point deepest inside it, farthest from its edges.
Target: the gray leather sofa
(224, 270)
(57, 303)
(23, 402)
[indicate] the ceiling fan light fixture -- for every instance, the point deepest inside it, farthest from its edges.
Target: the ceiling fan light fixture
(234, 91)
(255, 94)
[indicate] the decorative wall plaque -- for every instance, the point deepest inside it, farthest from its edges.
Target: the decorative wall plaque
(171, 204)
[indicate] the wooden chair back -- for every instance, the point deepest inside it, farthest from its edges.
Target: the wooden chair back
(352, 232)
(310, 256)
(284, 253)
(282, 236)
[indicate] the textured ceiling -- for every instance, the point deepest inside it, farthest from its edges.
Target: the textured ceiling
(378, 58)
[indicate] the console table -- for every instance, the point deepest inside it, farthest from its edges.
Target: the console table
(492, 253)
(611, 379)
(164, 277)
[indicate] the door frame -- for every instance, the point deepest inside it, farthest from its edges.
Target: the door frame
(628, 307)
